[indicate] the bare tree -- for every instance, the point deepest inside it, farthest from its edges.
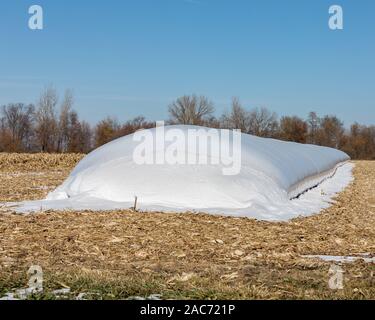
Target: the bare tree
(17, 123)
(263, 123)
(106, 131)
(64, 125)
(46, 124)
(134, 125)
(313, 122)
(331, 132)
(191, 110)
(4, 133)
(86, 137)
(293, 129)
(238, 118)
(78, 139)
(212, 122)
(360, 144)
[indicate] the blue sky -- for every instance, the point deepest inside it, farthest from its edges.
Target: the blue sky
(124, 58)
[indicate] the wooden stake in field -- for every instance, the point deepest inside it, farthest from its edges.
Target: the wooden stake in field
(135, 203)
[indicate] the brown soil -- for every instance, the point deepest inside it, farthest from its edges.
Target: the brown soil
(124, 253)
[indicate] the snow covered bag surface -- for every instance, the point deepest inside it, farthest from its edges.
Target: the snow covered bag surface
(276, 180)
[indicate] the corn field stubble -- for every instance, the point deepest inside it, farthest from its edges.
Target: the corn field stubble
(119, 254)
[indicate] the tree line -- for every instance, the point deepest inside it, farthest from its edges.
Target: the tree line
(53, 126)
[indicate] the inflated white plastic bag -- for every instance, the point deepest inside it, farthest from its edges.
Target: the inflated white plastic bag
(273, 173)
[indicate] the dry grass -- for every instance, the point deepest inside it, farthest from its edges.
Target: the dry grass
(19, 162)
(124, 253)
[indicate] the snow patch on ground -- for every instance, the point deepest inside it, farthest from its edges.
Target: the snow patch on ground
(343, 259)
